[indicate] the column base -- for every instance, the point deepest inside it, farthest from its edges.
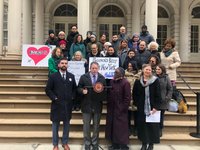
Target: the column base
(12, 56)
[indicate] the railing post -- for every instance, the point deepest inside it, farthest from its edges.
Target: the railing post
(197, 134)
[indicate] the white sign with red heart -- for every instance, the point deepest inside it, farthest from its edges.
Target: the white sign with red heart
(36, 55)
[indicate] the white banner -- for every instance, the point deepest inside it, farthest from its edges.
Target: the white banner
(77, 68)
(107, 65)
(36, 55)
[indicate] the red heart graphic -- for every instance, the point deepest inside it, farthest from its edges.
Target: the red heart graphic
(38, 54)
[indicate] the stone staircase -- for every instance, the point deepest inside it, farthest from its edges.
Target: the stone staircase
(24, 108)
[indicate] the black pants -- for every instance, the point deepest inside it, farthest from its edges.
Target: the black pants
(162, 119)
(132, 114)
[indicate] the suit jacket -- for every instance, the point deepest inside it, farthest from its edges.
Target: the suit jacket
(92, 101)
(61, 92)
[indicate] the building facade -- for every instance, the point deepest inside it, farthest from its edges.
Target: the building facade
(28, 21)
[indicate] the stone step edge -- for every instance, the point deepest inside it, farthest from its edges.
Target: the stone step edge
(47, 110)
(79, 134)
(80, 122)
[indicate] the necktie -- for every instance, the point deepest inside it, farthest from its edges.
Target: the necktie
(63, 75)
(93, 79)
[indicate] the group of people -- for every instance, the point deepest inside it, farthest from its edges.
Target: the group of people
(142, 85)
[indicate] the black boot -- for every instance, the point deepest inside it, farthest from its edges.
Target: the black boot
(124, 147)
(150, 147)
(144, 146)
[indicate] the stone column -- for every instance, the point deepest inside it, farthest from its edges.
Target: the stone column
(84, 16)
(1, 26)
(39, 22)
(27, 22)
(136, 16)
(151, 16)
(14, 27)
(184, 30)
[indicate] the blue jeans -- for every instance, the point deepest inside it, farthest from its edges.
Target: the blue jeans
(55, 129)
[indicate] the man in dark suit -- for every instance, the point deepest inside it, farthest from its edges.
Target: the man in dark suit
(61, 88)
(91, 105)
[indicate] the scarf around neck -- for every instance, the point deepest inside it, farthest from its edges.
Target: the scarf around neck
(147, 106)
(168, 52)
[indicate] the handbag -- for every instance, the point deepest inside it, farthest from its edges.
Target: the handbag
(182, 107)
(173, 105)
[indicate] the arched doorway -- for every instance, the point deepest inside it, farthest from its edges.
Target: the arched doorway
(195, 27)
(110, 19)
(64, 17)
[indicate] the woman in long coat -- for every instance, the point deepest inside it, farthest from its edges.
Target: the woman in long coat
(117, 111)
(147, 96)
(166, 92)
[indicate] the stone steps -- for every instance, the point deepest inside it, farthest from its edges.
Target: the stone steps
(77, 137)
(25, 109)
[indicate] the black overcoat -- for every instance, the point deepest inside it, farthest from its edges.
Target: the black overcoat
(61, 92)
(147, 132)
(91, 102)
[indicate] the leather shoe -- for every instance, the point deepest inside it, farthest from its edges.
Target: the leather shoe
(95, 147)
(150, 147)
(144, 147)
(87, 147)
(55, 148)
(66, 147)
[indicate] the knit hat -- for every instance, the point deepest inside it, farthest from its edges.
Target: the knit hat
(122, 71)
(93, 36)
(136, 35)
(144, 27)
(51, 31)
(62, 42)
(61, 32)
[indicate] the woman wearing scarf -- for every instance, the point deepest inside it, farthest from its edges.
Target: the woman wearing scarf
(170, 59)
(119, 97)
(146, 95)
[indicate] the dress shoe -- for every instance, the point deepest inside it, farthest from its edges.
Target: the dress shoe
(55, 148)
(150, 147)
(87, 147)
(66, 147)
(95, 147)
(124, 147)
(144, 147)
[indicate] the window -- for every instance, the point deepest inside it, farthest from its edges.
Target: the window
(59, 27)
(66, 10)
(5, 26)
(116, 28)
(111, 11)
(161, 35)
(162, 13)
(194, 38)
(104, 28)
(110, 19)
(196, 12)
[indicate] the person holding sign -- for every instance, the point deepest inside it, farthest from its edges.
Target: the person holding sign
(119, 97)
(91, 87)
(147, 97)
(61, 88)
